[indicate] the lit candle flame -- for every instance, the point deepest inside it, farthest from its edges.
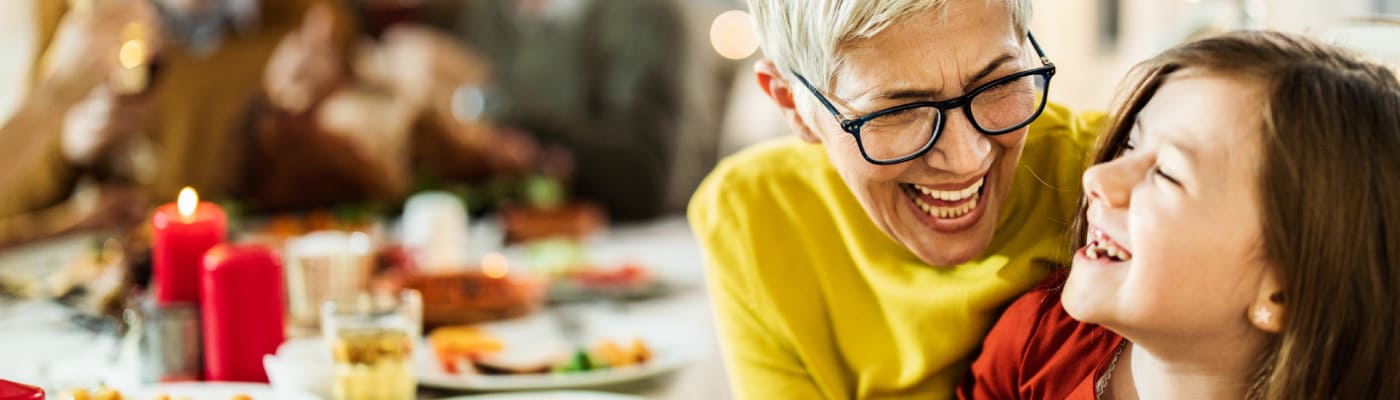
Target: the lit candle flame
(187, 201)
(494, 265)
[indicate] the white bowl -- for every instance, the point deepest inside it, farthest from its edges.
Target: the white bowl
(301, 365)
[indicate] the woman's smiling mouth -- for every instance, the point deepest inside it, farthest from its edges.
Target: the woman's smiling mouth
(948, 208)
(945, 204)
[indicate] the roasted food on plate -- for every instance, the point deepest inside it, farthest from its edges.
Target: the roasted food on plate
(472, 296)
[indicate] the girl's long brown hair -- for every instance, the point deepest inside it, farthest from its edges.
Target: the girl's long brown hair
(1330, 192)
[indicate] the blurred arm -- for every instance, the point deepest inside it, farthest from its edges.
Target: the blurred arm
(34, 170)
(38, 194)
(34, 173)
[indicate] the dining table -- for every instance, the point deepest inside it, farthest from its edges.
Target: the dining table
(46, 343)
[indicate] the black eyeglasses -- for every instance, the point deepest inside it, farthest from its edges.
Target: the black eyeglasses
(905, 132)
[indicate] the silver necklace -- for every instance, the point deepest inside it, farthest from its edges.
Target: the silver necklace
(1102, 383)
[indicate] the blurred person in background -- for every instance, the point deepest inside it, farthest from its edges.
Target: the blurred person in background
(70, 87)
(377, 114)
(188, 122)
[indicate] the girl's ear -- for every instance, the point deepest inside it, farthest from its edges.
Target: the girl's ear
(1267, 311)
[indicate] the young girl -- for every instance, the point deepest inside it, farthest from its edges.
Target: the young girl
(1241, 238)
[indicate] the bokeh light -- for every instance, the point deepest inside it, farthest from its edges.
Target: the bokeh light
(732, 35)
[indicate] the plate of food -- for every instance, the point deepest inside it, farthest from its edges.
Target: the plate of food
(585, 273)
(627, 281)
(190, 391)
(543, 351)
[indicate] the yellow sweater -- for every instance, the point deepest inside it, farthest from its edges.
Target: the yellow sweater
(813, 301)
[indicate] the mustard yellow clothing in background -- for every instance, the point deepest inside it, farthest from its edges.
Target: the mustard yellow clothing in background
(813, 300)
(50, 178)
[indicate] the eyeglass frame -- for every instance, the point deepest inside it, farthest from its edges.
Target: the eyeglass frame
(852, 126)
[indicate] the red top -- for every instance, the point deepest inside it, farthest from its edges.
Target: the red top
(1036, 351)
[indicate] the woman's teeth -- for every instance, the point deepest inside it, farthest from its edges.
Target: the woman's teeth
(951, 195)
(969, 194)
(947, 212)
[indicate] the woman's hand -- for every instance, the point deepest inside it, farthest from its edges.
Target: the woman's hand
(307, 65)
(99, 41)
(99, 122)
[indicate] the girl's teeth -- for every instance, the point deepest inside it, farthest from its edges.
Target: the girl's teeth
(1096, 249)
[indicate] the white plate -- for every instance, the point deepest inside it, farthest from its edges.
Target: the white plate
(549, 395)
(669, 354)
(214, 391)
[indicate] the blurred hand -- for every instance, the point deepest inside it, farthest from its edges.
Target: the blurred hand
(93, 42)
(307, 64)
(422, 65)
(99, 122)
(92, 207)
(113, 207)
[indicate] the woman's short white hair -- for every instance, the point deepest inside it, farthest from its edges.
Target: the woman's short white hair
(806, 35)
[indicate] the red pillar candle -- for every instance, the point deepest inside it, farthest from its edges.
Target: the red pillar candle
(242, 311)
(19, 391)
(181, 233)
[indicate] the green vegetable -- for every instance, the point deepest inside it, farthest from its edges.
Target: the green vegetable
(554, 257)
(580, 362)
(544, 192)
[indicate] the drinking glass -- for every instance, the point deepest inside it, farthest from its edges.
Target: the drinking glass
(371, 341)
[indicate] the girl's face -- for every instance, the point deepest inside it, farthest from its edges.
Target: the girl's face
(1174, 230)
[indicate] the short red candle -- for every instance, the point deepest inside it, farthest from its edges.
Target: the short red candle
(178, 242)
(19, 391)
(242, 311)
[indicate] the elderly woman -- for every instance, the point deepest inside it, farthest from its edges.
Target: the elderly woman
(931, 185)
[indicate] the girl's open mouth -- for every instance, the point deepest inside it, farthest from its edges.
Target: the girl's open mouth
(1102, 246)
